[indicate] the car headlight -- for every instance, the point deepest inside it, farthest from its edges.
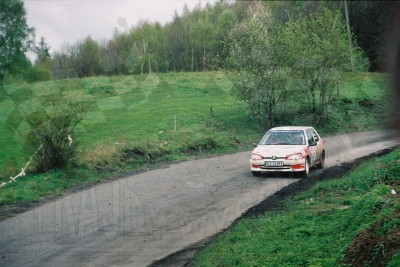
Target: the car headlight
(255, 156)
(295, 156)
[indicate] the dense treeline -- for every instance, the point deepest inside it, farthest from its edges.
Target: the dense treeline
(191, 42)
(194, 41)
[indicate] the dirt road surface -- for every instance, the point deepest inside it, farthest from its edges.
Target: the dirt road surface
(136, 220)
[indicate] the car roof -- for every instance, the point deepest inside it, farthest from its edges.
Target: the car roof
(287, 128)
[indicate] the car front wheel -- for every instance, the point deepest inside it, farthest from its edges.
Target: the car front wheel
(256, 173)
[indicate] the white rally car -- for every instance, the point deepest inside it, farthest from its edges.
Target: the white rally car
(288, 149)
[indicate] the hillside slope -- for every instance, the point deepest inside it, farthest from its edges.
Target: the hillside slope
(132, 122)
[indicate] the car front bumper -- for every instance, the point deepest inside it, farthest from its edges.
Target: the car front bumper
(286, 166)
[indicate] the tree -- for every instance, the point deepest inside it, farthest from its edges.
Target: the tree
(114, 53)
(62, 65)
(15, 35)
(42, 66)
(317, 51)
(109, 59)
(174, 32)
(226, 22)
(277, 60)
(43, 53)
(159, 44)
(204, 38)
(86, 57)
(260, 77)
(139, 51)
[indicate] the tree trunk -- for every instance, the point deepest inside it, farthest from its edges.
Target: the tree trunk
(312, 91)
(313, 100)
(270, 114)
(2, 75)
(192, 57)
(149, 64)
(204, 60)
(349, 35)
(324, 98)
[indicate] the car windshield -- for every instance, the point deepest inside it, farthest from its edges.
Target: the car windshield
(294, 137)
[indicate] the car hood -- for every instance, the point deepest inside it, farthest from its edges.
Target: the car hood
(279, 150)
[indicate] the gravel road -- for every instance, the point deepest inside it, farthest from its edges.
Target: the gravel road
(136, 220)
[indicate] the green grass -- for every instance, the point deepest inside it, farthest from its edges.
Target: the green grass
(128, 109)
(317, 227)
(129, 122)
(361, 104)
(53, 183)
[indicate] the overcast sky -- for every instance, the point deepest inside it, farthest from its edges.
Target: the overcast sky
(62, 21)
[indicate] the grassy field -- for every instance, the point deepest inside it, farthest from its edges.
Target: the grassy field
(126, 110)
(351, 221)
(134, 122)
(361, 105)
(129, 124)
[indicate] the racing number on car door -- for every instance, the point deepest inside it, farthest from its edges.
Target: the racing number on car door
(312, 149)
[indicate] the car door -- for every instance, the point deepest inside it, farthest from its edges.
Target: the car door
(320, 145)
(311, 149)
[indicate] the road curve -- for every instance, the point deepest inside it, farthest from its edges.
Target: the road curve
(136, 220)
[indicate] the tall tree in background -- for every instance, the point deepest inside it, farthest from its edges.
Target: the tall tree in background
(275, 62)
(139, 53)
(204, 39)
(260, 78)
(110, 61)
(317, 52)
(42, 51)
(42, 66)
(227, 21)
(86, 57)
(15, 35)
(174, 32)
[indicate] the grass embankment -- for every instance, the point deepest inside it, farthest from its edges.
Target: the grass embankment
(130, 123)
(349, 221)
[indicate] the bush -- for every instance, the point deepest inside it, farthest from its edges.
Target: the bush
(36, 74)
(395, 261)
(50, 134)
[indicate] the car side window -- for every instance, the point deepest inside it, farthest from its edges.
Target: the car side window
(315, 135)
(310, 137)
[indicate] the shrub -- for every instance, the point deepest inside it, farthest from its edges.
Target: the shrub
(51, 130)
